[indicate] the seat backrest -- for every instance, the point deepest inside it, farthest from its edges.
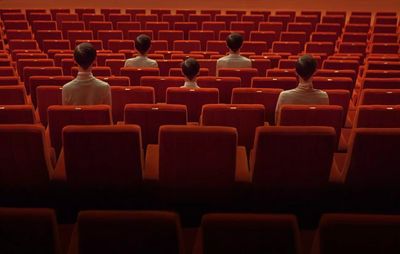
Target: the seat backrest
(225, 85)
(29, 230)
(12, 95)
(274, 168)
(136, 73)
(312, 115)
(102, 157)
(284, 83)
(381, 83)
(252, 233)
(377, 116)
(47, 96)
(126, 95)
(212, 168)
(244, 117)
(364, 233)
(151, 116)
(160, 84)
(380, 97)
(17, 114)
(372, 162)
(139, 231)
(60, 116)
(245, 74)
(194, 99)
(25, 158)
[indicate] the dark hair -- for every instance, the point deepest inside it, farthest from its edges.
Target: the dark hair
(190, 68)
(234, 41)
(306, 66)
(142, 43)
(84, 55)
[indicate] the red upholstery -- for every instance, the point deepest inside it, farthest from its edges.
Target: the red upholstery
(273, 168)
(32, 230)
(156, 27)
(194, 99)
(333, 83)
(140, 230)
(17, 114)
(377, 116)
(244, 117)
(218, 46)
(39, 71)
(136, 73)
(61, 116)
(254, 233)
(22, 44)
(284, 83)
(380, 97)
(199, 18)
(126, 95)
(170, 36)
(110, 153)
(29, 167)
(151, 116)
(337, 73)
(161, 84)
(116, 45)
(22, 63)
(203, 36)
(115, 80)
(12, 95)
(9, 80)
(225, 85)
(281, 73)
(354, 231)
(125, 26)
(186, 27)
(380, 83)
(245, 74)
(45, 97)
(340, 98)
(187, 46)
(55, 44)
(210, 64)
(165, 65)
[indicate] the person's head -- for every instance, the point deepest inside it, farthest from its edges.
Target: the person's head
(84, 55)
(305, 67)
(190, 68)
(142, 44)
(234, 41)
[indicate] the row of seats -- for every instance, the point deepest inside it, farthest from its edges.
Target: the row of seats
(37, 231)
(198, 163)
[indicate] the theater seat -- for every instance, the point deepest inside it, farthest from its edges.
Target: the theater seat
(17, 114)
(248, 233)
(139, 232)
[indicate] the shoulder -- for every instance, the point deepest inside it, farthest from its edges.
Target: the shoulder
(222, 59)
(245, 59)
(101, 83)
(69, 85)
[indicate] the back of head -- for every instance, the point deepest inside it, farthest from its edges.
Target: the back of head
(306, 66)
(234, 41)
(84, 55)
(190, 68)
(142, 43)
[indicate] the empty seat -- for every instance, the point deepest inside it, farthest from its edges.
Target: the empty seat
(252, 233)
(245, 74)
(29, 230)
(112, 155)
(186, 45)
(377, 116)
(27, 169)
(244, 117)
(17, 114)
(36, 81)
(366, 233)
(194, 99)
(13, 95)
(380, 97)
(141, 230)
(273, 168)
(285, 83)
(380, 83)
(136, 73)
(207, 179)
(126, 95)
(160, 84)
(22, 44)
(225, 85)
(151, 116)
(39, 71)
(286, 47)
(61, 116)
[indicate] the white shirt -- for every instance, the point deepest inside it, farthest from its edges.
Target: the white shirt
(233, 60)
(85, 89)
(141, 62)
(304, 93)
(190, 84)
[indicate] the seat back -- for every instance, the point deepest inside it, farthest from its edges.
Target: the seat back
(102, 157)
(17, 114)
(194, 99)
(151, 116)
(60, 116)
(25, 158)
(225, 85)
(160, 84)
(244, 117)
(12, 95)
(231, 233)
(274, 168)
(212, 168)
(366, 233)
(29, 230)
(380, 97)
(245, 74)
(139, 231)
(377, 116)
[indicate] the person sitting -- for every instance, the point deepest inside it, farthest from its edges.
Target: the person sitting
(304, 93)
(142, 46)
(85, 89)
(190, 69)
(234, 42)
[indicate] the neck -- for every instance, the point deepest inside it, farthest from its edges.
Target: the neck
(190, 80)
(234, 52)
(89, 69)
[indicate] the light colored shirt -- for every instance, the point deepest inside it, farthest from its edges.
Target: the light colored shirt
(190, 84)
(141, 62)
(303, 94)
(233, 60)
(85, 89)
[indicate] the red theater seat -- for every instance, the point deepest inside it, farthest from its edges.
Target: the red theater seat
(377, 116)
(36, 81)
(136, 73)
(17, 114)
(13, 95)
(245, 74)
(225, 85)
(160, 84)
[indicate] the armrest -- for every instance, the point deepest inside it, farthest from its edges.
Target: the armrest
(151, 168)
(337, 171)
(242, 173)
